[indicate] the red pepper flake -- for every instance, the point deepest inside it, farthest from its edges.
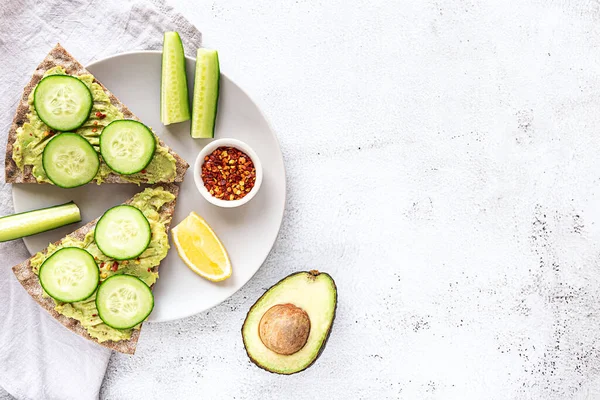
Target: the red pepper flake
(94, 315)
(115, 266)
(230, 171)
(102, 264)
(143, 171)
(148, 269)
(94, 129)
(100, 115)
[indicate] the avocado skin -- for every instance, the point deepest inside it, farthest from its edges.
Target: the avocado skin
(312, 272)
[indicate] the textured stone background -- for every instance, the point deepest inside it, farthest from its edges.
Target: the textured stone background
(442, 161)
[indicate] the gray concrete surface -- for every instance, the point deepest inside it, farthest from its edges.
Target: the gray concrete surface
(442, 161)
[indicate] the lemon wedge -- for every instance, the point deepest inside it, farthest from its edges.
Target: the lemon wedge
(200, 248)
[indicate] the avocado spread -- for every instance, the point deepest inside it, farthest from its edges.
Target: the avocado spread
(33, 136)
(149, 202)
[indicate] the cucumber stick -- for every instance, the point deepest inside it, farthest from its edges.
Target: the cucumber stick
(31, 222)
(206, 93)
(174, 106)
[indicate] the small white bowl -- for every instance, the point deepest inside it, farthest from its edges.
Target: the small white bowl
(209, 148)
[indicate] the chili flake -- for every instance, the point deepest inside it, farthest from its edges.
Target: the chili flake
(228, 173)
(115, 266)
(100, 115)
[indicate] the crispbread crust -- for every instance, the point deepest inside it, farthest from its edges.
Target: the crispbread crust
(58, 56)
(31, 283)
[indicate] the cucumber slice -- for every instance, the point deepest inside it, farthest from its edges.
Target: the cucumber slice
(122, 233)
(123, 301)
(62, 102)
(69, 275)
(127, 146)
(206, 94)
(174, 106)
(70, 161)
(31, 222)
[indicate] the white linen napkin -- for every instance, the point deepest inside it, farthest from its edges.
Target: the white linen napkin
(39, 358)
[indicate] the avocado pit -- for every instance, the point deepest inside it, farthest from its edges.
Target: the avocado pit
(284, 328)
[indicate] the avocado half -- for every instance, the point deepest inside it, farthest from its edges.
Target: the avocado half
(286, 329)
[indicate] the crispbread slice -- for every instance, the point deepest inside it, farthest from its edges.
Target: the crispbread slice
(58, 56)
(31, 283)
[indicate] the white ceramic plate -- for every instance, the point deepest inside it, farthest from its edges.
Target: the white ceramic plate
(248, 232)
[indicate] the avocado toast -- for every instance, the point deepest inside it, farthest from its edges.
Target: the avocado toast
(29, 135)
(158, 205)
